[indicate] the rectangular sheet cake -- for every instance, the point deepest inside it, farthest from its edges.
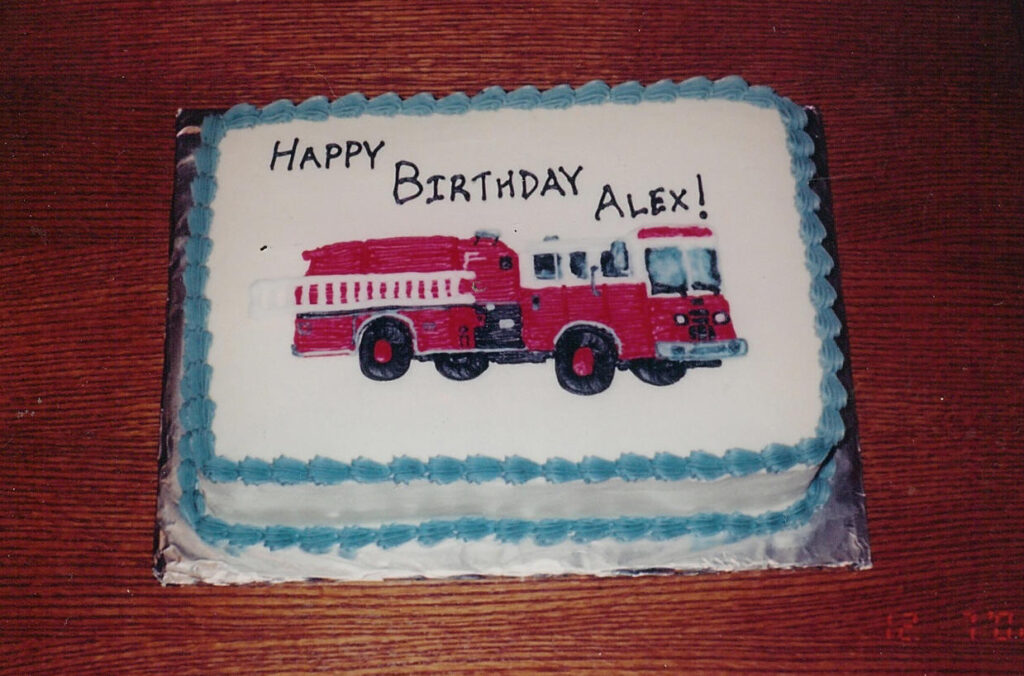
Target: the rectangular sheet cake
(591, 330)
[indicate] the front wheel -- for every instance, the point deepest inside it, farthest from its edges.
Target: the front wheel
(464, 366)
(585, 360)
(385, 350)
(657, 371)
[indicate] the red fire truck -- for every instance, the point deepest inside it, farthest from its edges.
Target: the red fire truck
(649, 302)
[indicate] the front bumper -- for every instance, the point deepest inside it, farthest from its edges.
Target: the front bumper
(698, 352)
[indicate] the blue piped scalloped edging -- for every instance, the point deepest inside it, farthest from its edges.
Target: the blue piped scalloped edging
(197, 409)
(514, 469)
(544, 532)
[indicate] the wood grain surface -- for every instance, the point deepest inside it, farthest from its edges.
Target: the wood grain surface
(924, 113)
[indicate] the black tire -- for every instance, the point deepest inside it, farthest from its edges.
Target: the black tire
(602, 351)
(658, 372)
(464, 366)
(378, 362)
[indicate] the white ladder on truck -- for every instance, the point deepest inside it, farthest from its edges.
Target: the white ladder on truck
(338, 293)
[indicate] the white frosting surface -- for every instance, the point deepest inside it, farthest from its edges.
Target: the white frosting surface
(374, 505)
(271, 403)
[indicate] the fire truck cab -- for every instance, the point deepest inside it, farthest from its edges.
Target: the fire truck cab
(650, 302)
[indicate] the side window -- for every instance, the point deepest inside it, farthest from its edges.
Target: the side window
(578, 264)
(615, 261)
(505, 262)
(546, 266)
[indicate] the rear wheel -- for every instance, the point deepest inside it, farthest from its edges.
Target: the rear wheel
(385, 350)
(657, 371)
(585, 360)
(465, 366)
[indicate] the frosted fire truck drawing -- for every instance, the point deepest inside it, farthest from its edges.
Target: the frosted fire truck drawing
(649, 302)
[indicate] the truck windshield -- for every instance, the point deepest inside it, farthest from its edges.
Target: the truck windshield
(665, 268)
(703, 264)
(668, 272)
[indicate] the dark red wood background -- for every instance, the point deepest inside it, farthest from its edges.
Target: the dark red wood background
(924, 113)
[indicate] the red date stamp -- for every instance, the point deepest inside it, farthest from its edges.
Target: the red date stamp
(993, 625)
(902, 627)
(978, 626)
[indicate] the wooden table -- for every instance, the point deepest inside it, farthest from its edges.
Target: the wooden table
(924, 111)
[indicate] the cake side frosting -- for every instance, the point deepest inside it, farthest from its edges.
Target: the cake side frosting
(199, 455)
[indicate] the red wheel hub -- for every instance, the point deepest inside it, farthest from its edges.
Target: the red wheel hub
(382, 351)
(583, 361)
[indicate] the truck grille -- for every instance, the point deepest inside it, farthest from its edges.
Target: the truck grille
(700, 325)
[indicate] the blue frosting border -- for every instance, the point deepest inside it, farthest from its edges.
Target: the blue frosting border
(196, 412)
(545, 532)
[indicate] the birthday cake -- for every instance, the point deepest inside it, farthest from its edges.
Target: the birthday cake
(583, 330)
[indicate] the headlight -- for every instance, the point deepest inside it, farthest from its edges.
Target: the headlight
(680, 319)
(721, 318)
